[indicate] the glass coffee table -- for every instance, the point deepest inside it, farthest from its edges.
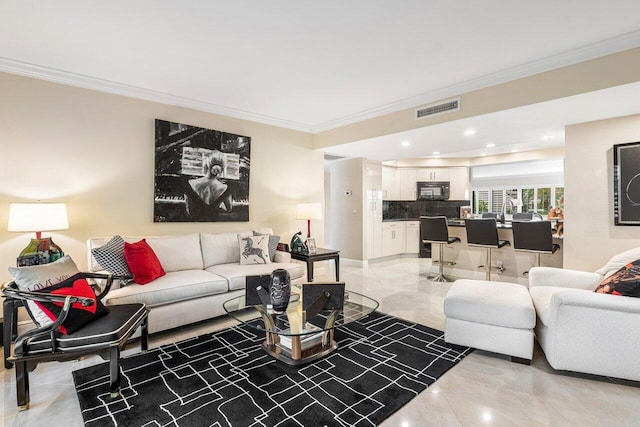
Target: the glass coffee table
(293, 338)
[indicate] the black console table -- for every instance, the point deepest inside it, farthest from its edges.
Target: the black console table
(320, 255)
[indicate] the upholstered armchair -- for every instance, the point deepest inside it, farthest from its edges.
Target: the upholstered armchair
(583, 331)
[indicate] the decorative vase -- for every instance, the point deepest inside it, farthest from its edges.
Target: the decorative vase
(280, 289)
(39, 251)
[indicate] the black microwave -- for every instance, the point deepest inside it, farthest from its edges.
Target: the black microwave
(433, 190)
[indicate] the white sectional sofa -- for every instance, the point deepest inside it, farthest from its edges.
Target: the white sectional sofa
(202, 271)
(578, 329)
(583, 331)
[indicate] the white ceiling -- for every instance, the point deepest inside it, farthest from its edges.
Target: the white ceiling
(310, 65)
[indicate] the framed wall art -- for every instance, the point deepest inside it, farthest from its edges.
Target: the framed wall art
(201, 175)
(626, 184)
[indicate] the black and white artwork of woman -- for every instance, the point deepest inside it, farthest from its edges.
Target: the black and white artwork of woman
(201, 175)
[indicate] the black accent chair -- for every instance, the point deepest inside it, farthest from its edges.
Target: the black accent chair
(435, 230)
(105, 336)
(535, 237)
(484, 233)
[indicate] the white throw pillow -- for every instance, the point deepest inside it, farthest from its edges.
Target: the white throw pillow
(254, 249)
(36, 277)
(619, 261)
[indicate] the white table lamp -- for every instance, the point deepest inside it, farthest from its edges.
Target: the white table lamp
(309, 211)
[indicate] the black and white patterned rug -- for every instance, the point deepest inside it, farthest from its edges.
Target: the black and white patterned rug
(226, 379)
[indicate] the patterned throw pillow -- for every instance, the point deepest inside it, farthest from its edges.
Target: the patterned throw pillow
(38, 277)
(79, 315)
(273, 243)
(625, 282)
(142, 262)
(254, 249)
(111, 258)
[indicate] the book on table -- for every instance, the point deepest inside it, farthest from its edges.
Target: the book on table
(307, 340)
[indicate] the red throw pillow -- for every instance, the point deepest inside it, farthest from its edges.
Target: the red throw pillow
(625, 282)
(79, 315)
(143, 262)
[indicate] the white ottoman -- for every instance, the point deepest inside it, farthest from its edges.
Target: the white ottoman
(492, 316)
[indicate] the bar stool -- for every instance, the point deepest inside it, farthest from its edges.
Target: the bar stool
(484, 233)
(535, 237)
(435, 230)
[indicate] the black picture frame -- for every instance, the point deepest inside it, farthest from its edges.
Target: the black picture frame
(626, 184)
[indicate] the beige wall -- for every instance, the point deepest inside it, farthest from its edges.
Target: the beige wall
(346, 219)
(590, 236)
(94, 151)
(604, 72)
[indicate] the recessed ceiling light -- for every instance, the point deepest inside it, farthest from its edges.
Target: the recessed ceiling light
(483, 154)
(469, 132)
(435, 153)
(405, 143)
(547, 137)
(514, 151)
(491, 144)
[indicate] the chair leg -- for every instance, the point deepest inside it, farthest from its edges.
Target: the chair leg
(144, 335)
(114, 374)
(488, 265)
(7, 313)
(22, 385)
(440, 277)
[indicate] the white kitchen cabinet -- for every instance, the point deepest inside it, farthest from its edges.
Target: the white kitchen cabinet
(408, 179)
(412, 239)
(390, 183)
(433, 174)
(373, 210)
(393, 238)
(459, 181)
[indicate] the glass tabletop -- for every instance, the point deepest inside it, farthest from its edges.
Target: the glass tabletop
(293, 321)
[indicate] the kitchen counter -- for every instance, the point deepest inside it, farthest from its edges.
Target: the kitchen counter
(457, 222)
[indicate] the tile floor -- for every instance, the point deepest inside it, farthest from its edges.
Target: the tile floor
(484, 389)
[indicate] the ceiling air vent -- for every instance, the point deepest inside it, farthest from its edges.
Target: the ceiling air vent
(441, 108)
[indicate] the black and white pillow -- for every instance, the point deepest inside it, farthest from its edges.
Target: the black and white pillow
(254, 249)
(273, 243)
(110, 256)
(35, 278)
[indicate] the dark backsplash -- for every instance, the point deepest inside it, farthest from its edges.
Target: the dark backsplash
(412, 210)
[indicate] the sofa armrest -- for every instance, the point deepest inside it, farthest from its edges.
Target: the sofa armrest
(549, 276)
(282, 256)
(596, 301)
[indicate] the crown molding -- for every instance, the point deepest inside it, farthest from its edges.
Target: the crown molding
(595, 50)
(101, 85)
(606, 47)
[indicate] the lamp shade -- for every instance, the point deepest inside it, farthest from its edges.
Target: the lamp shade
(37, 217)
(308, 211)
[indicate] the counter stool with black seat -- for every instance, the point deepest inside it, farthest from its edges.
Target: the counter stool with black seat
(435, 230)
(535, 237)
(484, 233)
